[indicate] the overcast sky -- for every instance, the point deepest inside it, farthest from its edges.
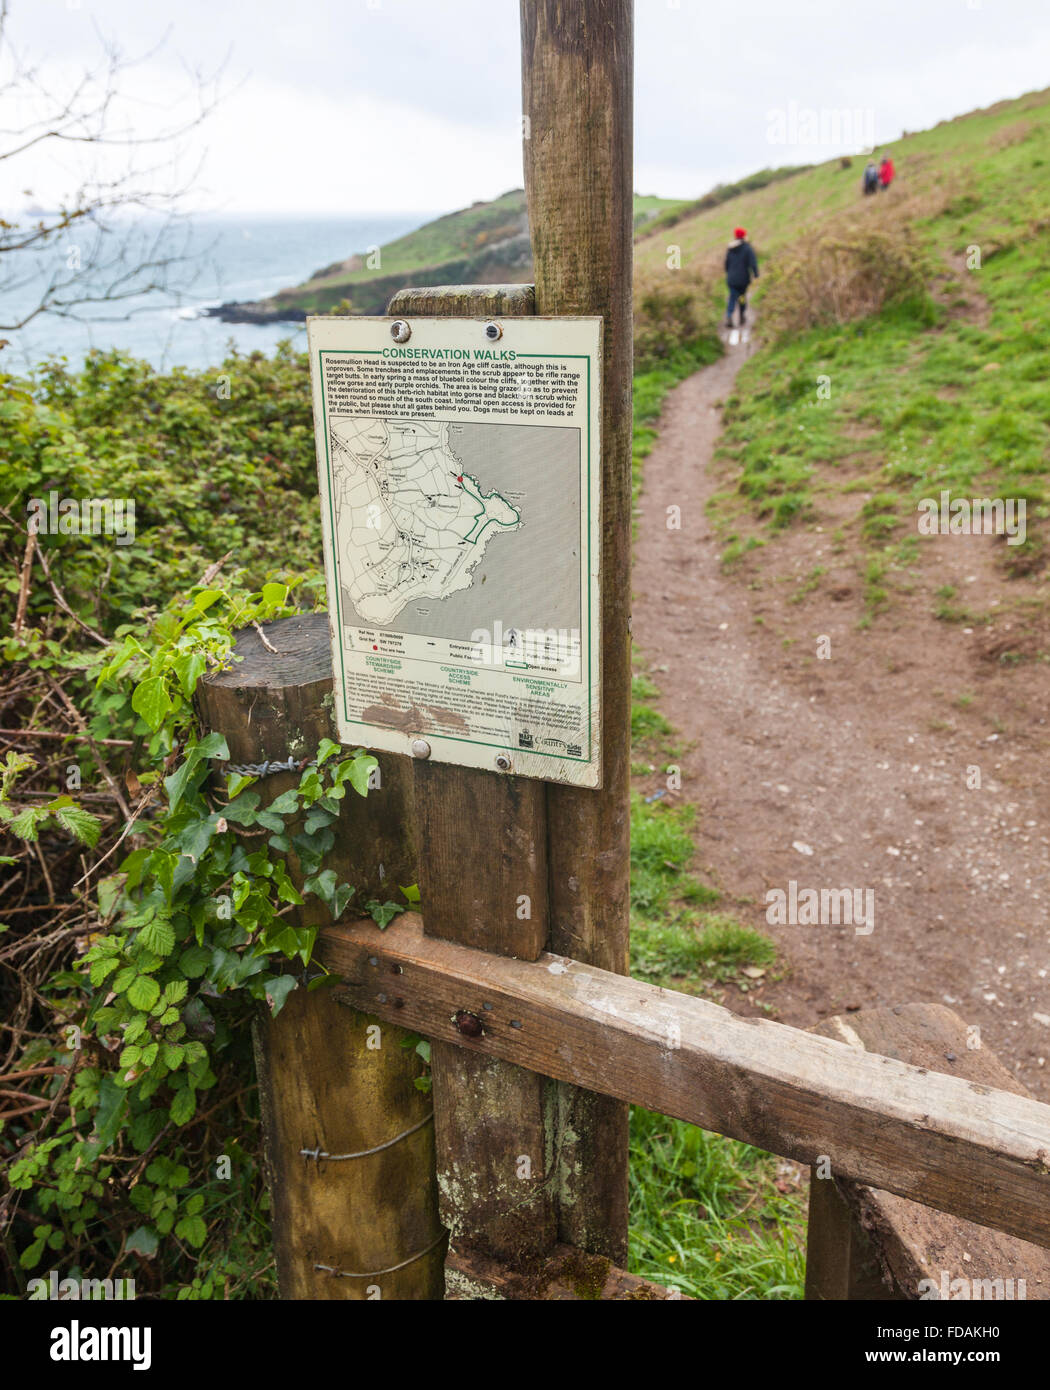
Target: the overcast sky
(356, 106)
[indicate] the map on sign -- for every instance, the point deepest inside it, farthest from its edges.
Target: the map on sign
(460, 500)
(410, 522)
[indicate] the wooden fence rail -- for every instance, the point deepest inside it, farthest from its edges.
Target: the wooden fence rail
(962, 1147)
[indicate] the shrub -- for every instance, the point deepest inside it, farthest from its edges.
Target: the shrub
(840, 277)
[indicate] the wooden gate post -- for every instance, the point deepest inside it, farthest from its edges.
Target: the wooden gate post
(577, 77)
(358, 1224)
(482, 850)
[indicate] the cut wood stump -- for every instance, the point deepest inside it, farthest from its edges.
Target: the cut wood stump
(354, 1214)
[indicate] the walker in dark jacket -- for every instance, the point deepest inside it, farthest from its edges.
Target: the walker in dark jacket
(741, 269)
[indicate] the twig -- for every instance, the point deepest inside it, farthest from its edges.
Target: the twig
(23, 587)
(127, 828)
(47, 876)
(76, 717)
(54, 733)
(212, 570)
(59, 596)
(264, 639)
(38, 907)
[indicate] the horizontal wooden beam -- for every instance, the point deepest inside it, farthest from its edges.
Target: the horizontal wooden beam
(568, 1275)
(957, 1145)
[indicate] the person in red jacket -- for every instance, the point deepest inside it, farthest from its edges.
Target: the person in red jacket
(886, 172)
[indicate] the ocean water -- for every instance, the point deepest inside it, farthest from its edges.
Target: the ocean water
(220, 258)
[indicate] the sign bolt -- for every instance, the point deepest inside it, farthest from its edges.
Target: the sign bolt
(503, 762)
(400, 331)
(420, 748)
(493, 331)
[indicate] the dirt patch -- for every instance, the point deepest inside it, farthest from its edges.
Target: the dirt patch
(855, 771)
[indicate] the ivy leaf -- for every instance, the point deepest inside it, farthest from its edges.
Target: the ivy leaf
(189, 667)
(191, 771)
(241, 811)
(152, 701)
(274, 593)
(110, 1112)
(325, 750)
(383, 913)
(411, 892)
(143, 992)
(278, 989)
(194, 961)
(359, 773)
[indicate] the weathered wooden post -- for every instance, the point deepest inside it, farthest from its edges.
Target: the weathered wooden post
(508, 864)
(482, 845)
(359, 1219)
(577, 83)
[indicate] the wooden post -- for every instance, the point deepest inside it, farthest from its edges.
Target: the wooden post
(324, 1083)
(483, 849)
(577, 60)
(840, 1262)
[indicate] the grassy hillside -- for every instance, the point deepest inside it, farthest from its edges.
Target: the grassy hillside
(944, 387)
(487, 243)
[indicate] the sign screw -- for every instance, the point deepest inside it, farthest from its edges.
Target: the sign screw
(503, 762)
(493, 331)
(400, 331)
(420, 748)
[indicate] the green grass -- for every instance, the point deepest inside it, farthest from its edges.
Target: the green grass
(942, 391)
(706, 1216)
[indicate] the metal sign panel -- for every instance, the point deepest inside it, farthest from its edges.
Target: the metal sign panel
(460, 471)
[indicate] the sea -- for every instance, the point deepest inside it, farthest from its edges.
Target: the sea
(212, 259)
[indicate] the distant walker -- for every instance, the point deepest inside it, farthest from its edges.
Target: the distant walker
(741, 269)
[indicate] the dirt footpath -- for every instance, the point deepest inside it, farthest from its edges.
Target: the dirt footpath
(851, 772)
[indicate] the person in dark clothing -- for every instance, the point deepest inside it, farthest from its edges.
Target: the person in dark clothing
(871, 177)
(741, 269)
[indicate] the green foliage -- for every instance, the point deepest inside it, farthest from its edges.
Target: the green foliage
(194, 928)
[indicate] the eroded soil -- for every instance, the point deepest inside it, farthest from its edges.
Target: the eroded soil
(851, 772)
